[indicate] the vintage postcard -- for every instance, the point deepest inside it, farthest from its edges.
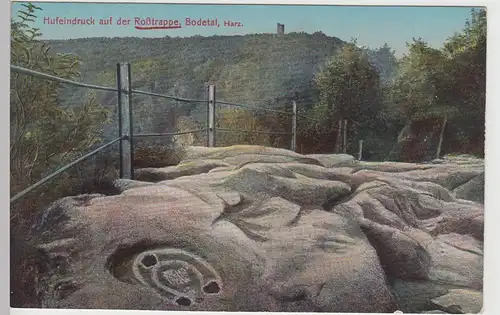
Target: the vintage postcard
(277, 158)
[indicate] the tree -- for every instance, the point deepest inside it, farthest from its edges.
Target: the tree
(442, 92)
(466, 52)
(44, 135)
(385, 62)
(419, 99)
(347, 88)
(415, 90)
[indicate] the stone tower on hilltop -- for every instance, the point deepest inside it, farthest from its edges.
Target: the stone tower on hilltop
(281, 29)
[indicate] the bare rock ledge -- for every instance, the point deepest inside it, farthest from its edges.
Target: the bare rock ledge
(250, 228)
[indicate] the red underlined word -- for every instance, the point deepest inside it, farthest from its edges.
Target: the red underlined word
(156, 27)
(152, 22)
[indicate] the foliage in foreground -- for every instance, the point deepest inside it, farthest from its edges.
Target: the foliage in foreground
(44, 135)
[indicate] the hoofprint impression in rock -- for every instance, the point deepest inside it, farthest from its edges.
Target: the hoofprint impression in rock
(249, 228)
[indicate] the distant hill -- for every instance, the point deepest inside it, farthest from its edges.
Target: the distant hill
(263, 69)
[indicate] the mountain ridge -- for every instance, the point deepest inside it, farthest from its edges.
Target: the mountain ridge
(263, 69)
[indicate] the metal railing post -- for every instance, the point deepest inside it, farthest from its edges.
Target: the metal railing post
(294, 127)
(211, 115)
(344, 142)
(125, 119)
(360, 150)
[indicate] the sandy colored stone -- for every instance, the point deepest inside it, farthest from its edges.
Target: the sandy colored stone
(295, 233)
(464, 301)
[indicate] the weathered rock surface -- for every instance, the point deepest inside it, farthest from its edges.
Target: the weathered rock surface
(250, 228)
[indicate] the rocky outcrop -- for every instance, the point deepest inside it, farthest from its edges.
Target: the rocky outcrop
(248, 228)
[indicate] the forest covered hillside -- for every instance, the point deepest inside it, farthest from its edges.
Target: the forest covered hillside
(253, 66)
(262, 69)
(244, 68)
